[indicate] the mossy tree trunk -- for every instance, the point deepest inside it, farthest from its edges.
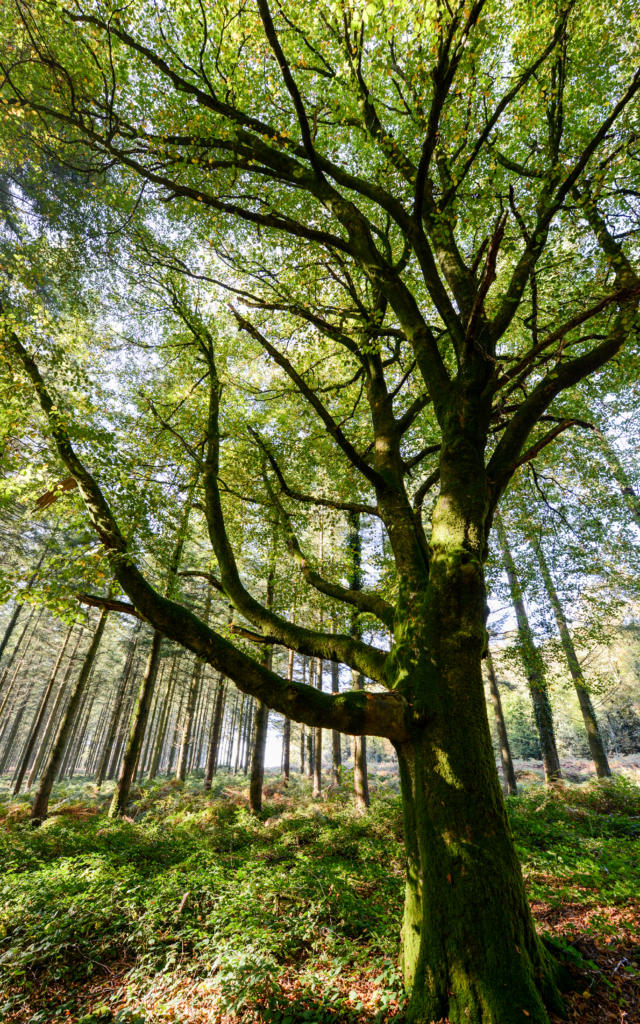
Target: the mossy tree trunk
(470, 953)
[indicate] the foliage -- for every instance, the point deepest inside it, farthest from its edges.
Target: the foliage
(196, 887)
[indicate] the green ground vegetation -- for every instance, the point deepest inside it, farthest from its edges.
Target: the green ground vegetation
(289, 917)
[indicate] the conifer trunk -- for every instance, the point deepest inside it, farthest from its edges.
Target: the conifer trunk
(594, 738)
(508, 774)
(56, 755)
(216, 727)
(136, 731)
(533, 666)
(336, 747)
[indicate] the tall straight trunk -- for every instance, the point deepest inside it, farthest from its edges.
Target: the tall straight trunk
(52, 721)
(22, 647)
(336, 748)
(261, 724)
(39, 716)
(117, 705)
(248, 733)
(192, 697)
(533, 665)
(78, 743)
(150, 735)
(508, 773)
(303, 748)
(286, 730)
(241, 730)
(187, 721)
(165, 711)
(216, 728)
(136, 731)
(360, 770)
(9, 628)
(124, 719)
(41, 801)
(596, 746)
(259, 745)
(317, 741)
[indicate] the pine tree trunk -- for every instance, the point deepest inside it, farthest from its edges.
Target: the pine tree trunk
(508, 774)
(56, 755)
(286, 730)
(596, 746)
(336, 747)
(256, 779)
(37, 722)
(165, 710)
(117, 705)
(533, 666)
(216, 728)
(317, 742)
(136, 732)
(187, 726)
(52, 721)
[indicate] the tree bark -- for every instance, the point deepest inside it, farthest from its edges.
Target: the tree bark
(317, 742)
(508, 774)
(216, 727)
(533, 666)
(336, 746)
(594, 738)
(360, 771)
(41, 801)
(260, 729)
(37, 722)
(117, 705)
(136, 732)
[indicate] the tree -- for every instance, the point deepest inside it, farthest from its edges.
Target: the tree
(398, 186)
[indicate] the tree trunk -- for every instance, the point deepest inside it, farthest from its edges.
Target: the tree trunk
(317, 742)
(470, 951)
(117, 705)
(533, 666)
(286, 730)
(216, 727)
(594, 738)
(165, 709)
(260, 729)
(336, 748)
(508, 774)
(136, 732)
(37, 722)
(360, 772)
(192, 694)
(41, 801)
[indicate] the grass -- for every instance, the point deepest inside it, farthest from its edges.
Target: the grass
(195, 911)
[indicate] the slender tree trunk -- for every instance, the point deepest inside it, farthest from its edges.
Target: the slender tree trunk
(360, 770)
(11, 625)
(286, 730)
(303, 748)
(260, 729)
(216, 728)
(187, 724)
(41, 801)
(533, 666)
(594, 738)
(117, 705)
(136, 732)
(52, 721)
(508, 774)
(336, 748)
(317, 742)
(40, 713)
(164, 717)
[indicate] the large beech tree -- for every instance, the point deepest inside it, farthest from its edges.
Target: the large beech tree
(396, 189)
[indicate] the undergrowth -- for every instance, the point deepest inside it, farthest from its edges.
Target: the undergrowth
(288, 918)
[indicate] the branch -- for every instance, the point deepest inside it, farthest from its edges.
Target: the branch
(356, 712)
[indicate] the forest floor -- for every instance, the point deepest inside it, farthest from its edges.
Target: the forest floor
(193, 911)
